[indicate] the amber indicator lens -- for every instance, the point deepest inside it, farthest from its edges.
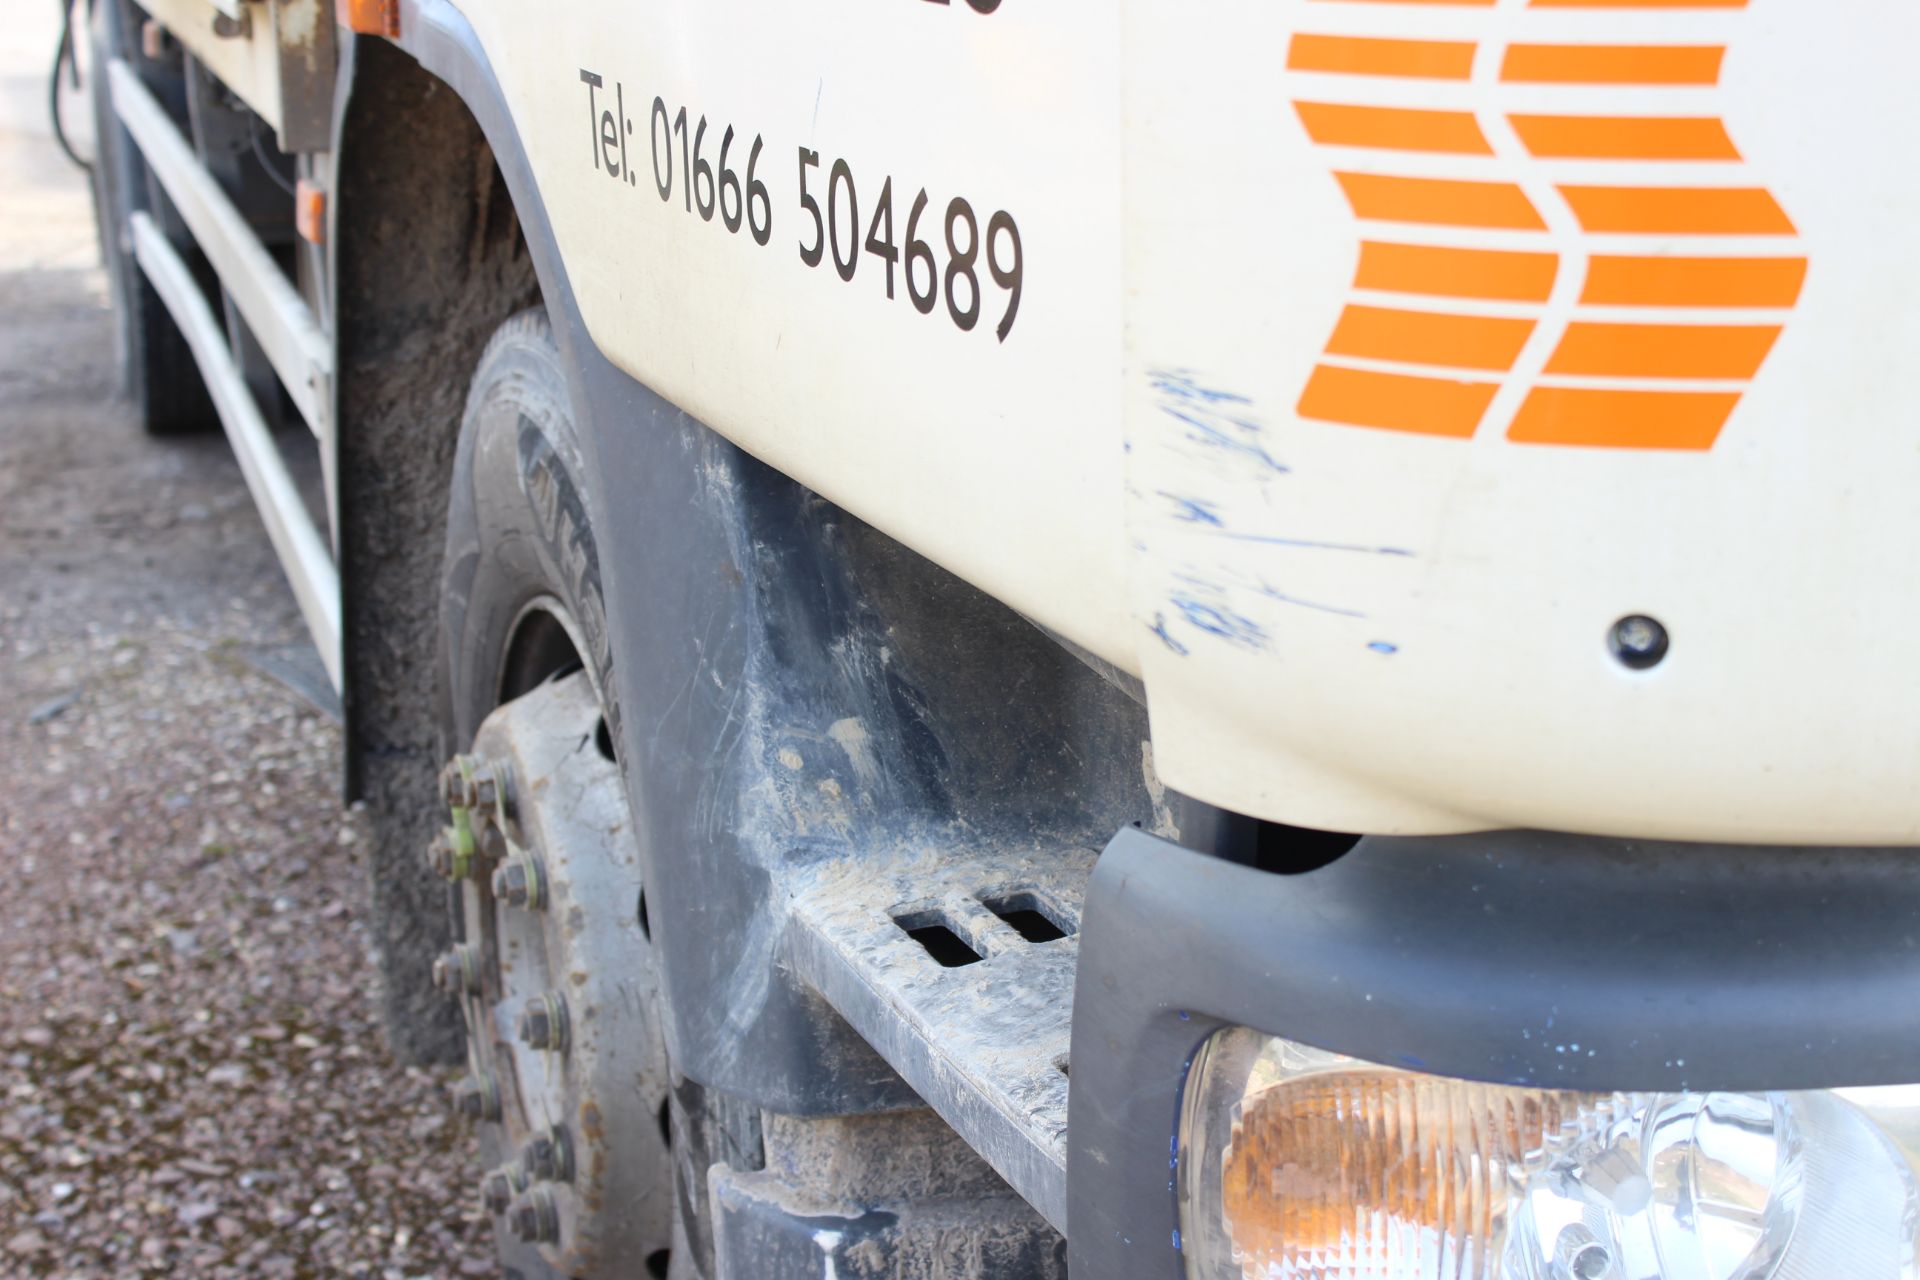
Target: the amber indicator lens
(1297, 1164)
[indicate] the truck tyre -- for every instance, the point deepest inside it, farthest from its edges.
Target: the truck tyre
(156, 367)
(527, 701)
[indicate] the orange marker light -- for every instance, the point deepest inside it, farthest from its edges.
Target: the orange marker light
(370, 17)
(310, 212)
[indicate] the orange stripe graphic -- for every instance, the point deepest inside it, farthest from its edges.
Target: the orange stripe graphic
(1625, 137)
(1663, 350)
(1397, 128)
(1499, 274)
(1427, 406)
(1622, 419)
(1440, 201)
(1612, 64)
(1627, 281)
(1369, 56)
(1570, 342)
(1679, 210)
(1424, 337)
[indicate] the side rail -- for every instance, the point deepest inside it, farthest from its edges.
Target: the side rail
(281, 322)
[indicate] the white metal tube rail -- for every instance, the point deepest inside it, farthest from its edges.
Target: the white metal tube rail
(303, 553)
(279, 318)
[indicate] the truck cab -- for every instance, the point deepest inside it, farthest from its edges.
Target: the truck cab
(1186, 642)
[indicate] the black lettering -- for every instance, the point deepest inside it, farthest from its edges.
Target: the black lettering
(626, 125)
(609, 142)
(592, 82)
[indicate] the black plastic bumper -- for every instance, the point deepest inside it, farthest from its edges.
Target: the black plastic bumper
(1510, 957)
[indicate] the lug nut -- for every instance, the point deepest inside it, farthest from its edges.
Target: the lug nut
(498, 1188)
(450, 853)
(453, 780)
(478, 1097)
(534, 1216)
(521, 882)
(484, 785)
(489, 839)
(543, 1023)
(457, 971)
(548, 1157)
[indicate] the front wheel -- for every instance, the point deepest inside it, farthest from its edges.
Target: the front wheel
(554, 972)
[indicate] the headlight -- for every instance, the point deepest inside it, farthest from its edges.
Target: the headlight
(1298, 1164)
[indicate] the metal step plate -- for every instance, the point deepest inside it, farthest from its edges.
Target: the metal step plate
(958, 968)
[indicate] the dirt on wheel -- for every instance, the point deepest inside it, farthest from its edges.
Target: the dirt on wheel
(193, 1076)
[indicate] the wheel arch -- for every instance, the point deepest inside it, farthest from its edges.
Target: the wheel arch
(436, 238)
(793, 683)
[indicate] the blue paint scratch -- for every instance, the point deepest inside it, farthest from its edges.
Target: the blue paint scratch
(1383, 646)
(1180, 382)
(1212, 415)
(1273, 593)
(1193, 510)
(1313, 544)
(1216, 621)
(1159, 628)
(1209, 434)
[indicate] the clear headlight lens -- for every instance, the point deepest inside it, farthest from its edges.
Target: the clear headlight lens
(1297, 1164)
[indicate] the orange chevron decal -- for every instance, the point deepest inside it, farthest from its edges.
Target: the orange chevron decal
(1614, 289)
(1611, 64)
(1393, 128)
(1624, 137)
(1372, 56)
(1440, 201)
(1395, 401)
(1614, 280)
(1495, 274)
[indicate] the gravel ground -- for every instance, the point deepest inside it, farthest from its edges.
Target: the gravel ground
(193, 1078)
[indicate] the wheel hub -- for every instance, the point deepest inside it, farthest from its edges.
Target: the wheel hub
(556, 982)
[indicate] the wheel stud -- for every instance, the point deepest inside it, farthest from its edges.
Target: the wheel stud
(498, 1188)
(488, 837)
(478, 1097)
(521, 882)
(453, 780)
(543, 1023)
(450, 853)
(548, 1157)
(484, 786)
(534, 1216)
(457, 971)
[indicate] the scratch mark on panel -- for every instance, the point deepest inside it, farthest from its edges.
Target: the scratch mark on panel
(1222, 622)
(1209, 433)
(1193, 510)
(1274, 593)
(1159, 628)
(1311, 544)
